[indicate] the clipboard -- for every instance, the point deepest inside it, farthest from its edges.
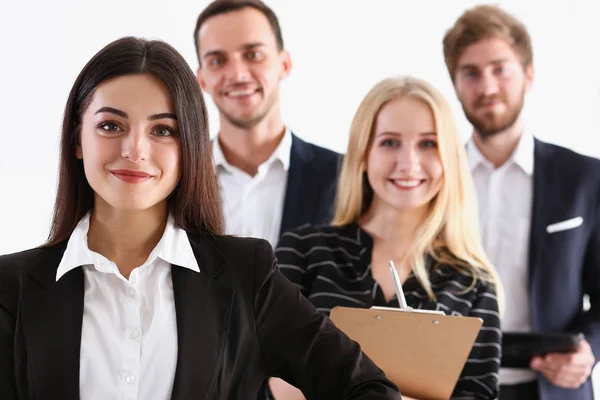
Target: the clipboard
(423, 353)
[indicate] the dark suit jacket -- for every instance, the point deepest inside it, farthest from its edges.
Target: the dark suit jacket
(238, 321)
(565, 265)
(311, 185)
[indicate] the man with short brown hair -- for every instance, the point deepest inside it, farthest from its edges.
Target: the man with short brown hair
(271, 180)
(539, 205)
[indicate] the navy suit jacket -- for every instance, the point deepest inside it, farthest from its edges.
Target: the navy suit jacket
(311, 185)
(565, 265)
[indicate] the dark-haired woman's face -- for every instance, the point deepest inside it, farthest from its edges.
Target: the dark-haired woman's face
(130, 143)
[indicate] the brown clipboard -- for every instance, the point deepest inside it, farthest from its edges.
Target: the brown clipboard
(422, 353)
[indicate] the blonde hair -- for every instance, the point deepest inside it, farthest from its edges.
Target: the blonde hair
(482, 22)
(450, 232)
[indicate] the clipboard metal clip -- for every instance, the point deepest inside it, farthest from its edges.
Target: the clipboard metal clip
(403, 306)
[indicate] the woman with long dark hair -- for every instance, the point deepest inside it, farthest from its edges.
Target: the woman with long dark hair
(137, 294)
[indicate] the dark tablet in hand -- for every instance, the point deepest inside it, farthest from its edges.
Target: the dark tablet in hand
(518, 348)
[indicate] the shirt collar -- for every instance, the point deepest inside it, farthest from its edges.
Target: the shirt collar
(282, 153)
(174, 247)
(521, 156)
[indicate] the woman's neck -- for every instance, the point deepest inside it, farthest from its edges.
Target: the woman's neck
(393, 233)
(388, 225)
(126, 237)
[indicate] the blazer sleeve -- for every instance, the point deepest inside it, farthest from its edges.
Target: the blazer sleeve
(303, 347)
(589, 321)
(7, 334)
(479, 377)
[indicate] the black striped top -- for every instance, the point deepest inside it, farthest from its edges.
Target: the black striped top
(332, 266)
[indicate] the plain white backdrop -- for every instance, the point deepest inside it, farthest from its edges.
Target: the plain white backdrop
(339, 50)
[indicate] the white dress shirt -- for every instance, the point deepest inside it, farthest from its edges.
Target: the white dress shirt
(505, 197)
(129, 331)
(253, 205)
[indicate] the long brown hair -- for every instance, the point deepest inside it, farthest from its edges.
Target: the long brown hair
(195, 203)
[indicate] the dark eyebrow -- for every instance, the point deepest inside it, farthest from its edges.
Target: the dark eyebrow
(252, 45)
(123, 114)
(161, 116)
(212, 53)
(465, 67)
(112, 110)
(247, 46)
(473, 66)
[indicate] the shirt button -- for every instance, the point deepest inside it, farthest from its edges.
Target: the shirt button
(130, 293)
(129, 379)
(134, 335)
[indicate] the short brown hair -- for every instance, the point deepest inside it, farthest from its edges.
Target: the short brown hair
(219, 7)
(482, 22)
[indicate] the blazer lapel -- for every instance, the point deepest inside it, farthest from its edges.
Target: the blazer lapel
(52, 314)
(542, 180)
(300, 198)
(203, 310)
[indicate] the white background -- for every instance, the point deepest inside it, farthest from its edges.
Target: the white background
(339, 50)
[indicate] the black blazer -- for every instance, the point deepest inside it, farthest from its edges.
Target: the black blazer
(311, 185)
(238, 321)
(565, 265)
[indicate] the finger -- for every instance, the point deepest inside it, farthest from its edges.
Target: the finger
(567, 370)
(561, 380)
(573, 359)
(559, 359)
(569, 376)
(569, 383)
(573, 375)
(536, 363)
(583, 355)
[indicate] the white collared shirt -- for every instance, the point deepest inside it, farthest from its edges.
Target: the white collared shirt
(253, 205)
(129, 330)
(505, 197)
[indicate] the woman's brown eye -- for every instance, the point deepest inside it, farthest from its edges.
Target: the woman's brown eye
(109, 126)
(163, 131)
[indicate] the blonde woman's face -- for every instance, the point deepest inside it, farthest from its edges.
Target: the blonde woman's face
(403, 166)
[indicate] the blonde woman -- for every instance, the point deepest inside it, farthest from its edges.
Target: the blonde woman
(405, 194)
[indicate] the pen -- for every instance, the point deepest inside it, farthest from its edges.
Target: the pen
(398, 285)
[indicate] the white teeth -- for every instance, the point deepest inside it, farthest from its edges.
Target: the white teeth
(407, 183)
(238, 93)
